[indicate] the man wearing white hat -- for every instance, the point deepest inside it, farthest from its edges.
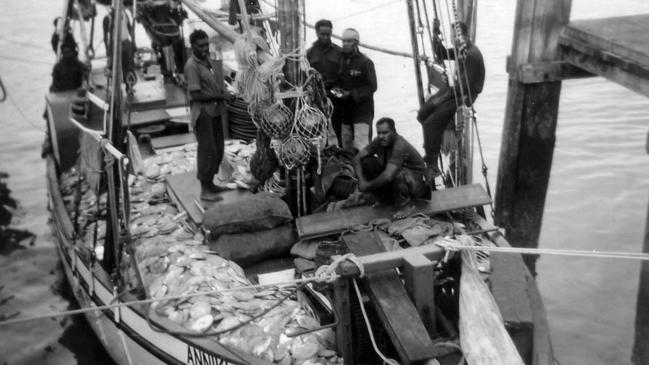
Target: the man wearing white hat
(355, 93)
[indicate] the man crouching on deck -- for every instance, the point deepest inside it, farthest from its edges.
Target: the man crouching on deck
(391, 168)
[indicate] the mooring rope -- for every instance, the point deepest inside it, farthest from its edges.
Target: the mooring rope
(452, 245)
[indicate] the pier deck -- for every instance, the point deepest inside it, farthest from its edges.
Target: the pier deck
(616, 48)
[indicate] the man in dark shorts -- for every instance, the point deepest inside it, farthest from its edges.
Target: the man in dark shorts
(354, 93)
(207, 94)
(438, 112)
(390, 167)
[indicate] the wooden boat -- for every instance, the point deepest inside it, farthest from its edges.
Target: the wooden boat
(413, 311)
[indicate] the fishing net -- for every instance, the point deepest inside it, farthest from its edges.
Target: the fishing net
(310, 122)
(294, 152)
(277, 121)
(256, 111)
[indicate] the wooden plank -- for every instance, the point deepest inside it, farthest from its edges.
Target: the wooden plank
(520, 302)
(172, 141)
(185, 190)
(147, 95)
(529, 131)
(390, 299)
(326, 223)
(144, 117)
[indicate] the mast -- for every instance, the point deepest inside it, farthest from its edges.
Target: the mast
(114, 136)
(415, 52)
(290, 23)
(290, 37)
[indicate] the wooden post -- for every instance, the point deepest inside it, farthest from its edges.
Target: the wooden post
(641, 341)
(530, 124)
(415, 52)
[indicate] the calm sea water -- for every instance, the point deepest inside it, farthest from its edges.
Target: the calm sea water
(597, 198)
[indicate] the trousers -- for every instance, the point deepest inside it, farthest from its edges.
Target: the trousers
(209, 135)
(433, 127)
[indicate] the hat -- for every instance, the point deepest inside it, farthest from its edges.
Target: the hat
(351, 33)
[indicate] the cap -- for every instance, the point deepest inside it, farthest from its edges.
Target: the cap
(351, 33)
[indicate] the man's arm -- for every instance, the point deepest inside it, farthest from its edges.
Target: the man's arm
(385, 178)
(365, 92)
(198, 94)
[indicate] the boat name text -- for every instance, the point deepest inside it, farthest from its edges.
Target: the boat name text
(198, 357)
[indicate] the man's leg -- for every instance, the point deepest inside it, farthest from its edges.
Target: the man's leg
(433, 127)
(361, 135)
(362, 130)
(337, 121)
(347, 137)
(208, 155)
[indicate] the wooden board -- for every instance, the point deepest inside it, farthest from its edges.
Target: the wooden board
(144, 117)
(147, 95)
(184, 190)
(519, 302)
(323, 224)
(392, 303)
(172, 141)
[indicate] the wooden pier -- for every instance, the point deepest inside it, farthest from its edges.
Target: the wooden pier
(548, 48)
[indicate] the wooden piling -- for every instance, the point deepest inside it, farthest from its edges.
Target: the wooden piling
(530, 124)
(640, 353)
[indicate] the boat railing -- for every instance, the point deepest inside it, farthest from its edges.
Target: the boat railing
(105, 143)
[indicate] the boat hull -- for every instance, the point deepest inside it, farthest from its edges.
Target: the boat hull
(124, 331)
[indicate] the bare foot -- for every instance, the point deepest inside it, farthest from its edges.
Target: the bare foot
(405, 211)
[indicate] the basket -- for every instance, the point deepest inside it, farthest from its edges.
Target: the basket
(342, 186)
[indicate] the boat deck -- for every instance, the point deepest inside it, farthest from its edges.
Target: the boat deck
(184, 190)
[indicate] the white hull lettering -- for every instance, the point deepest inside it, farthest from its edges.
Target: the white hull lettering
(198, 357)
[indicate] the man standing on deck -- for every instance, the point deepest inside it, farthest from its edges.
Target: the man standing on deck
(438, 111)
(69, 73)
(207, 94)
(324, 57)
(390, 167)
(354, 92)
